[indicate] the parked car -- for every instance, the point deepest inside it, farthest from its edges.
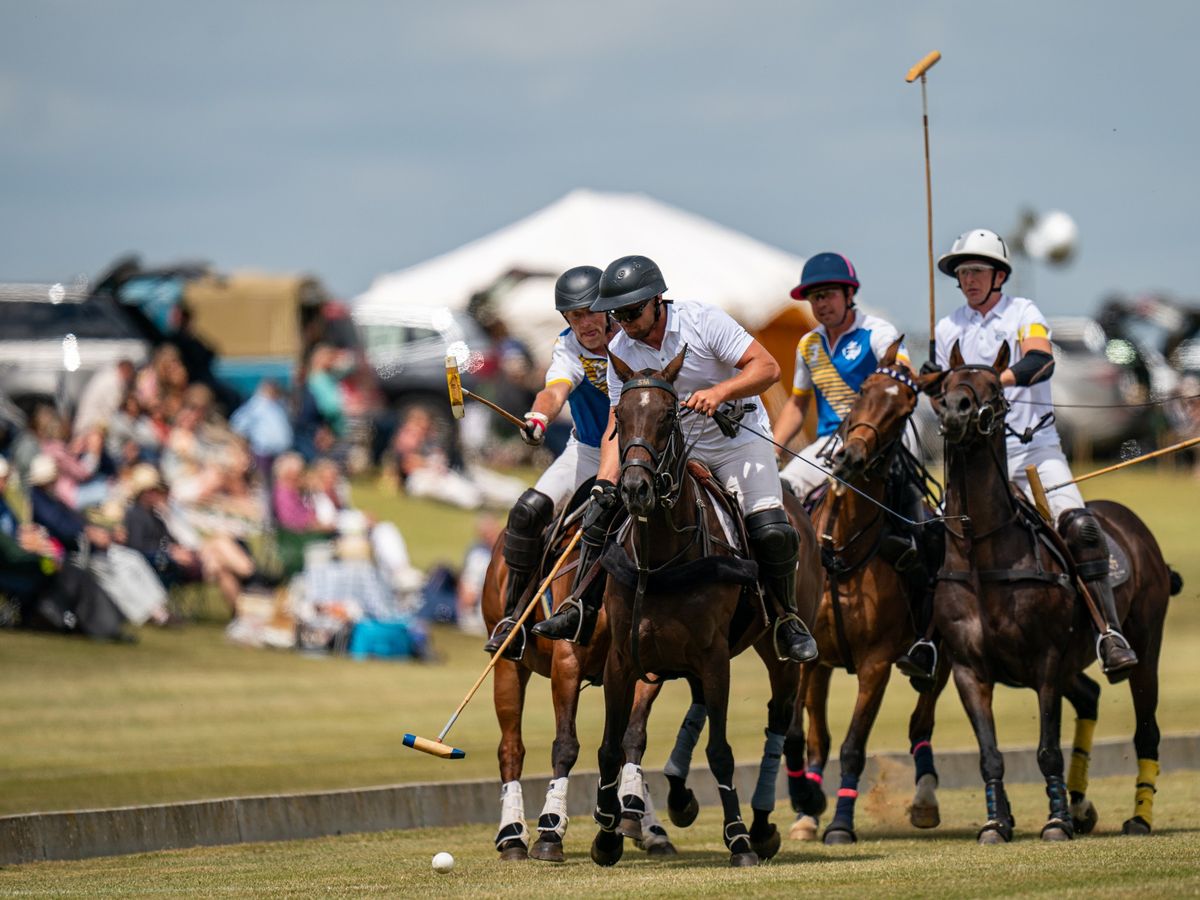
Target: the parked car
(53, 339)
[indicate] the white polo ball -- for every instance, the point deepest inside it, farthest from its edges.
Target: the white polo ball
(443, 862)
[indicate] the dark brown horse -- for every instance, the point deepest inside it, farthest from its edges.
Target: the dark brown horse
(569, 667)
(1010, 612)
(683, 613)
(864, 622)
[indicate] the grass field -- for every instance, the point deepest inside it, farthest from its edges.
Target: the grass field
(891, 861)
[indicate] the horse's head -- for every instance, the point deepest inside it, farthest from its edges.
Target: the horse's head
(877, 419)
(969, 400)
(648, 435)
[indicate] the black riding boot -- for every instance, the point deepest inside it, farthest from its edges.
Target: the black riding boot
(576, 616)
(1086, 541)
(522, 552)
(919, 662)
(777, 547)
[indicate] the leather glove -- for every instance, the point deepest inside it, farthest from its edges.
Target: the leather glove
(534, 431)
(598, 515)
(929, 367)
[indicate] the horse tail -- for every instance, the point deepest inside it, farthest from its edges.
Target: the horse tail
(1176, 581)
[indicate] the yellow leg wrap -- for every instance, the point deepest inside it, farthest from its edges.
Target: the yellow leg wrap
(1081, 755)
(1144, 798)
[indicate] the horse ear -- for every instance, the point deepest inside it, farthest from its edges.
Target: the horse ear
(623, 371)
(931, 383)
(889, 358)
(671, 372)
(956, 357)
(1002, 358)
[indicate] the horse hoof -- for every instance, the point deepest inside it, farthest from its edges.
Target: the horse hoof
(630, 827)
(1137, 826)
(993, 835)
(835, 836)
(662, 848)
(607, 848)
(513, 852)
(741, 860)
(683, 816)
(924, 816)
(1056, 831)
(804, 829)
(1084, 817)
(768, 844)
(547, 850)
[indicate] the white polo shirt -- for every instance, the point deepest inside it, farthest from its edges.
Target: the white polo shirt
(715, 344)
(1010, 321)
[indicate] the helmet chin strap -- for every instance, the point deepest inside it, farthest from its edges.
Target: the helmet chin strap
(994, 290)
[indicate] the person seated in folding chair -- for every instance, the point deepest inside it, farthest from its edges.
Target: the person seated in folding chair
(723, 366)
(577, 376)
(832, 362)
(978, 261)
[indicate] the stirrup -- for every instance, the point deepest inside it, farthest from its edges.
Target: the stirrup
(779, 623)
(1121, 643)
(921, 679)
(516, 648)
(569, 603)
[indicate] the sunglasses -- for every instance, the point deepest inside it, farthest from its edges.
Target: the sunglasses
(629, 313)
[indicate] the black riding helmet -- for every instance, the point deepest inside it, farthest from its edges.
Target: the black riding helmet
(629, 280)
(577, 288)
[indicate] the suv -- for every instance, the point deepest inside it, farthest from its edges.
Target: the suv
(53, 339)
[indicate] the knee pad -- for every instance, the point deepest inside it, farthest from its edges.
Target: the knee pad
(775, 541)
(526, 521)
(1085, 539)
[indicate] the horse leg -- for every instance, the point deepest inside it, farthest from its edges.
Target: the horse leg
(564, 691)
(1058, 826)
(720, 761)
(1084, 695)
(633, 786)
(976, 696)
(924, 813)
(682, 806)
(872, 682)
(508, 693)
(1143, 684)
(608, 845)
(784, 677)
(806, 764)
(655, 840)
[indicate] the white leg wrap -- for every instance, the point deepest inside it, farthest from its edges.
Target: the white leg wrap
(653, 831)
(512, 815)
(554, 813)
(926, 793)
(631, 791)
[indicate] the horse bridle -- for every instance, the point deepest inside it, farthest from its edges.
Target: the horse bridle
(995, 409)
(883, 450)
(665, 466)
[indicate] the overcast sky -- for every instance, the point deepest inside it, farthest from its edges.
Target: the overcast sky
(357, 138)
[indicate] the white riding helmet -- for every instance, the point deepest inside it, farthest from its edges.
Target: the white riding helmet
(978, 244)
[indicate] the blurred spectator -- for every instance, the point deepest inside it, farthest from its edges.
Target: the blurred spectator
(197, 358)
(321, 419)
(102, 396)
(62, 522)
(163, 377)
(132, 436)
(290, 504)
(80, 481)
(8, 520)
(474, 573)
(263, 422)
(1183, 414)
(177, 554)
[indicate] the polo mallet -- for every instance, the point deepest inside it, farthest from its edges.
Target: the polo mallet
(918, 71)
(458, 392)
(445, 751)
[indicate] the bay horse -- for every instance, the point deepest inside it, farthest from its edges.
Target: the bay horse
(570, 667)
(687, 606)
(864, 622)
(1008, 608)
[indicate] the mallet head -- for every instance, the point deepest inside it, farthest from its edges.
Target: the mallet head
(433, 748)
(454, 385)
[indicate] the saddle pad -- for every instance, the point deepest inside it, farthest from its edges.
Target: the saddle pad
(1118, 562)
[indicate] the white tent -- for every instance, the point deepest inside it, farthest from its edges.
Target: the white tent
(700, 260)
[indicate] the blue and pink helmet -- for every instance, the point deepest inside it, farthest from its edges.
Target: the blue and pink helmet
(825, 268)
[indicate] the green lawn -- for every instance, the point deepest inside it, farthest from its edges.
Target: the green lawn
(891, 860)
(183, 715)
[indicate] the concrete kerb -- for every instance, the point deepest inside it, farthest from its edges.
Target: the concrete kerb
(140, 829)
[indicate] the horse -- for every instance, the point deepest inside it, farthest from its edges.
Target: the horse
(681, 610)
(1010, 611)
(569, 667)
(864, 621)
